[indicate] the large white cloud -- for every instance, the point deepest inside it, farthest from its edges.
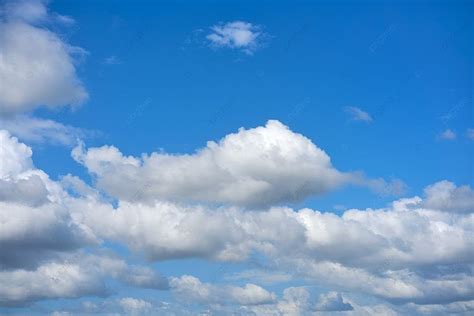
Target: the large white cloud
(72, 277)
(416, 250)
(259, 166)
(34, 219)
(401, 253)
(37, 68)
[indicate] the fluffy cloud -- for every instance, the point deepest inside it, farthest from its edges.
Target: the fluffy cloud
(331, 302)
(36, 66)
(298, 301)
(444, 195)
(72, 275)
(236, 35)
(35, 221)
(259, 166)
(254, 167)
(58, 279)
(404, 253)
(134, 306)
(416, 250)
(190, 289)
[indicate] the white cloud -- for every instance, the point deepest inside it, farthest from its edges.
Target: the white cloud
(456, 308)
(446, 196)
(295, 301)
(35, 130)
(447, 134)
(41, 224)
(134, 306)
(16, 156)
(417, 250)
(190, 289)
(239, 35)
(402, 253)
(357, 114)
(259, 166)
(60, 279)
(27, 10)
(144, 277)
(36, 66)
(332, 302)
(73, 275)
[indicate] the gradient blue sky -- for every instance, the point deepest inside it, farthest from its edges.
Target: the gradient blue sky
(156, 84)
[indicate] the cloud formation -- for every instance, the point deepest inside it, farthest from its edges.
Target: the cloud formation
(37, 68)
(190, 289)
(447, 134)
(41, 131)
(253, 167)
(35, 222)
(415, 251)
(240, 35)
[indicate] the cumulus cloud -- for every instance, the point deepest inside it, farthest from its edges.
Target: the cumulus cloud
(190, 289)
(37, 68)
(416, 250)
(35, 222)
(446, 196)
(134, 306)
(72, 275)
(253, 167)
(332, 302)
(240, 35)
(402, 253)
(298, 301)
(295, 301)
(357, 114)
(58, 279)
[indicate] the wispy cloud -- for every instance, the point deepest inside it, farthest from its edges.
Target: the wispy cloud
(357, 114)
(112, 60)
(447, 134)
(470, 133)
(240, 35)
(36, 130)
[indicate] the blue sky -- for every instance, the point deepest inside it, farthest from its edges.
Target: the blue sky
(118, 101)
